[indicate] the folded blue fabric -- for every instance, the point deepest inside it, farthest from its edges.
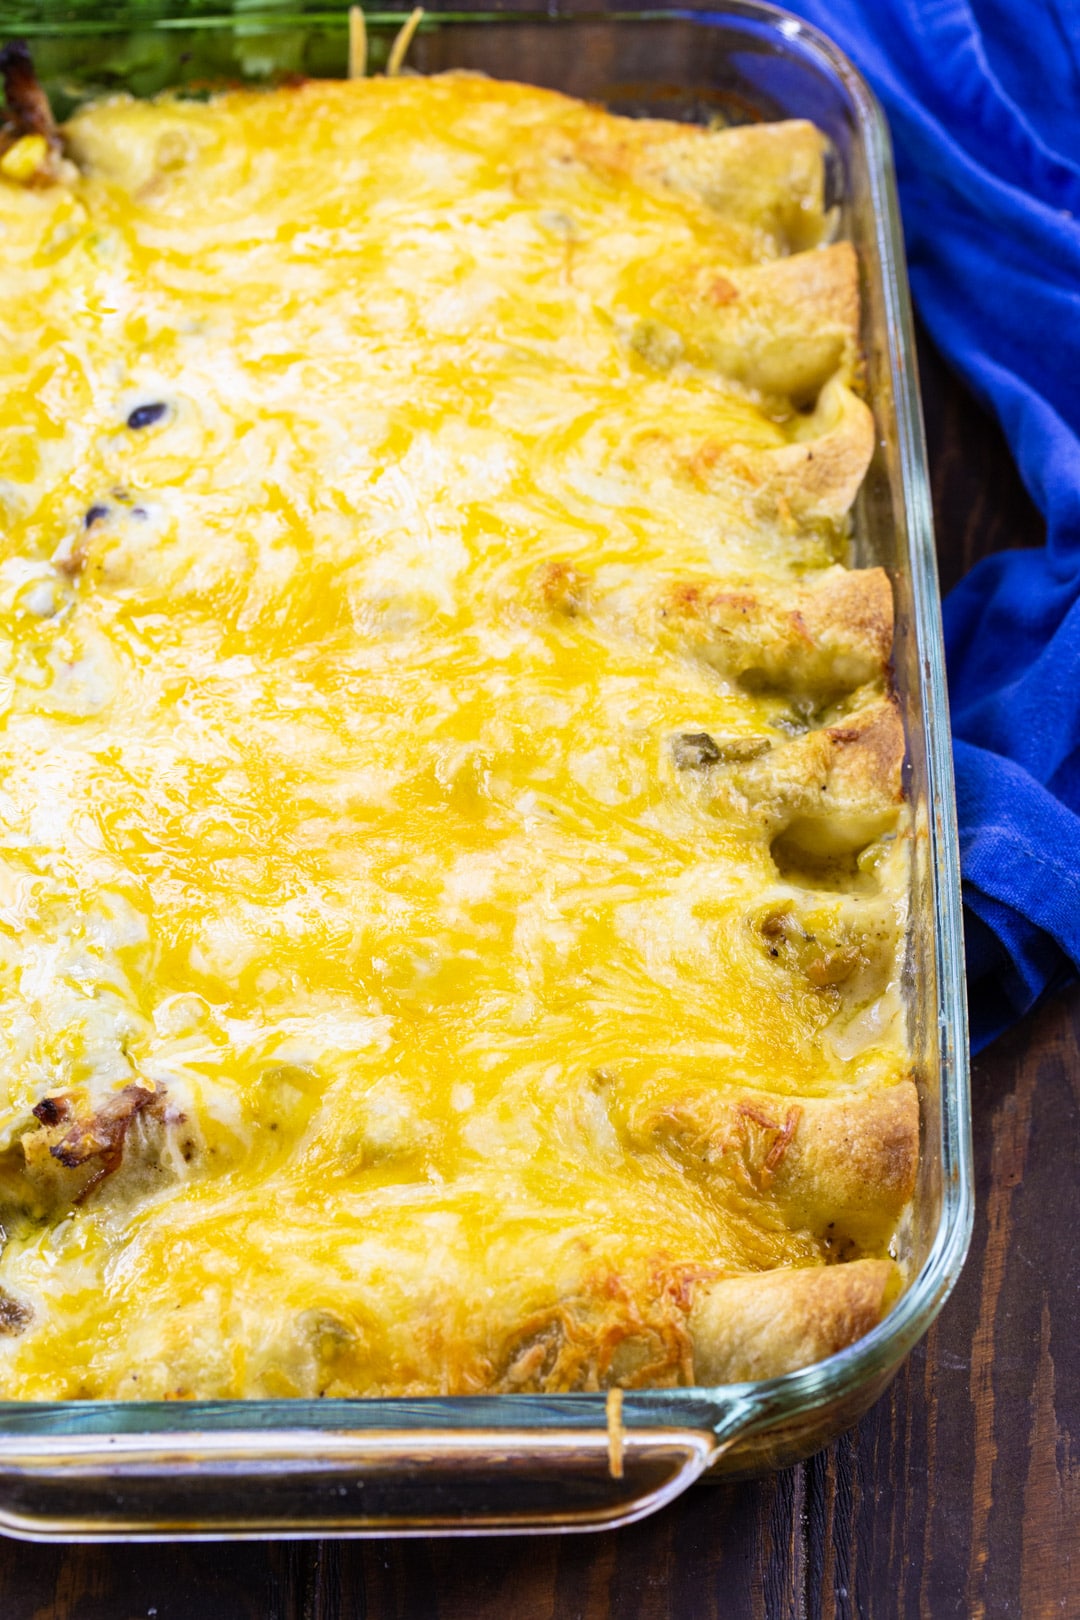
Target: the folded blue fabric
(983, 97)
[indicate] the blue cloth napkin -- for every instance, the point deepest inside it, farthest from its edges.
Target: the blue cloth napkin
(983, 97)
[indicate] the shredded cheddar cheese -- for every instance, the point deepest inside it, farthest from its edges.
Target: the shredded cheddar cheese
(452, 867)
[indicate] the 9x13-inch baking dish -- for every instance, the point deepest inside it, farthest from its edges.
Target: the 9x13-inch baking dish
(121, 1470)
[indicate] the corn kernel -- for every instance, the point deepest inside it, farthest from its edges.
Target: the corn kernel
(23, 160)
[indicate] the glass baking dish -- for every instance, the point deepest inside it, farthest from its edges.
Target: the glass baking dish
(122, 1470)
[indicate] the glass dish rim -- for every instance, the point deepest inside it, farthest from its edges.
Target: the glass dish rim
(741, 1407)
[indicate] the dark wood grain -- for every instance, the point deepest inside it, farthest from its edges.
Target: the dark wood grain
(957, 1498)
(980, 504)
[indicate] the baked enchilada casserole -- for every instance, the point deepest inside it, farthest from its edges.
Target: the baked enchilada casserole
(453, 855)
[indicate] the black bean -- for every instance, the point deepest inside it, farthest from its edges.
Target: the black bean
(15, 1314)
(51, 1110)
(139, 512)
(95, 515)
(144, 416)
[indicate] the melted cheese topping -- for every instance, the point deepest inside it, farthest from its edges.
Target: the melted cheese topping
(339, 812)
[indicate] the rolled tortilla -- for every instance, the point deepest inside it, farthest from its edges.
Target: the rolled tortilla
(776, 1321)
(766, 175)
(818, 476)
(709, 1331)
(785, 327)
(829, 636)
(810, 481)
(843, 1168)
(830, 792)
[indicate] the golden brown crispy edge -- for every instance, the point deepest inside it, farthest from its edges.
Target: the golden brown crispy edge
(770, 175)
(833, 790)
(820, 474)
(812, 479)
(785, 327)
(843, 1168)
(867, 756)
(829, 636)
(761, 1326)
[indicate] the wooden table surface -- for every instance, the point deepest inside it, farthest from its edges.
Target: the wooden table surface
(957, 1496)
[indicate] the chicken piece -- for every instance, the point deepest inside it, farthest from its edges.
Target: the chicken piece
(75, 1147)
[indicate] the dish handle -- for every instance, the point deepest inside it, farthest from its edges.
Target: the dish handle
(245, 1483)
